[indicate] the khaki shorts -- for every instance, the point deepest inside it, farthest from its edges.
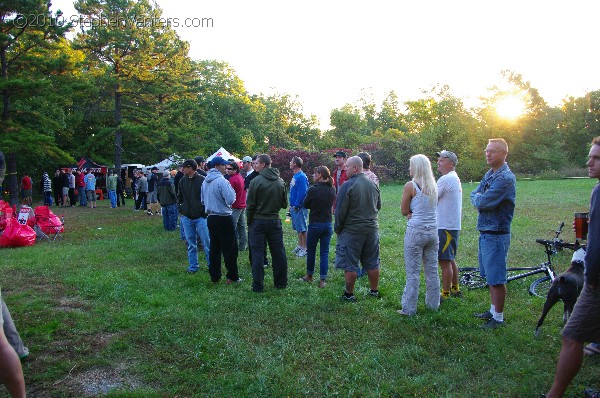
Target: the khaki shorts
(584, 323)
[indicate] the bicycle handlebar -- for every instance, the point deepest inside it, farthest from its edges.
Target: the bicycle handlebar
(560, 243)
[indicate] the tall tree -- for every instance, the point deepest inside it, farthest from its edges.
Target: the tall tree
(145, 62)
(27, 29)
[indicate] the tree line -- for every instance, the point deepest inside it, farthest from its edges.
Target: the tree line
(121, 91)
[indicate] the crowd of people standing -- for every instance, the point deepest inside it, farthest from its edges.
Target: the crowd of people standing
(227, 209)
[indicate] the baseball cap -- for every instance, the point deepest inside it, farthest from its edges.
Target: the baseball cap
(217, 160)
(247, 159)
(340, 153)
(166, 173)
(449, 155)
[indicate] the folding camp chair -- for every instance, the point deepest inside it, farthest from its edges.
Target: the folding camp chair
(48, 225)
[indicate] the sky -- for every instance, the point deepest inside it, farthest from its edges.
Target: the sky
(330, 53)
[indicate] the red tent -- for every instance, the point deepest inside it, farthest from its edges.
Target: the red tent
(86, 164)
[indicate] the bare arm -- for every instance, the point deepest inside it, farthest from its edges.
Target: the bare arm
(407, 194)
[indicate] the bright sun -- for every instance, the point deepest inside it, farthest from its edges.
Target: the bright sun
(510, 107)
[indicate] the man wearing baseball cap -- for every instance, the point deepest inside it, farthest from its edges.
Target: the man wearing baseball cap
(339, 174)
(218, 197)
(246, 166)
(449, 214)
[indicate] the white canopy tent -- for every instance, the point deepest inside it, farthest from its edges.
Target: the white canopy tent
(166, 164)
(222, 152)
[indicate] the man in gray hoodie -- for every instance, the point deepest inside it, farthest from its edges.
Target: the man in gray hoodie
(218, 196)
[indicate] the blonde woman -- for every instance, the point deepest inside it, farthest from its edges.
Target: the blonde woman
(419, 201)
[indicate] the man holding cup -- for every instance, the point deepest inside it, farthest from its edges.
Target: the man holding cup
(584, 323)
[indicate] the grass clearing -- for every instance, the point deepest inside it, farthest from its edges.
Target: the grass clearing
(110, 311)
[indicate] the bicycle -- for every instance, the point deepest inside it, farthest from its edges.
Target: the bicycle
(470, 277)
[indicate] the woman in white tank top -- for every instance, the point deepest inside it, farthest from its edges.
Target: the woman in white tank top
(419, 202)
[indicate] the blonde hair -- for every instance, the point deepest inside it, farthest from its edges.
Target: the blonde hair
(501, 142)
(422, 174)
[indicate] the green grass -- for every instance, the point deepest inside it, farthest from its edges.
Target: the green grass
(111, 305)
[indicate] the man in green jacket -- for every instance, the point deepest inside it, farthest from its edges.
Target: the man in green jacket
(266, 196)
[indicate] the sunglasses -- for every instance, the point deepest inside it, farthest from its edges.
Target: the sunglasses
(228, 168)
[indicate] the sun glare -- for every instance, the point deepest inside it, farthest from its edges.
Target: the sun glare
(510, 107)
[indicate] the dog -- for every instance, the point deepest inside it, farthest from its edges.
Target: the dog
(566, 287)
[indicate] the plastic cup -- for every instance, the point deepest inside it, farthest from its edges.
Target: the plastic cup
(581, 225)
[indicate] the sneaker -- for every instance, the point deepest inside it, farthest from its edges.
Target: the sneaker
(192, 271)
(404, 313)
(592, 349)
(591, 393)
(492, 324)
(374, 293)
(149, 212)
(301, 253)
(346, 298)
(24, 354)
(230, 281)
(296, 250)
(484, 315)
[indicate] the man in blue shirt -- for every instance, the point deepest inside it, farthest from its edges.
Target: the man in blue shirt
(299, 215)
(494, 199)
(90, 188)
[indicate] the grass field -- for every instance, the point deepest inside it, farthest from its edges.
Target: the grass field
(110, 310)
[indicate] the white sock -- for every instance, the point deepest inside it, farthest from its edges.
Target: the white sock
(492, 309)
(499, 316)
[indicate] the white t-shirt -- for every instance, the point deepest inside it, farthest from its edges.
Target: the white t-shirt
(449, 207)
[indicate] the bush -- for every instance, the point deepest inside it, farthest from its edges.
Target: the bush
(280, 159)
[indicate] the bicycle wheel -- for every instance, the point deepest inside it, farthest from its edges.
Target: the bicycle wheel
(469, 277)
(540, 287)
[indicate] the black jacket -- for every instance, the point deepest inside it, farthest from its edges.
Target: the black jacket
(319, 199)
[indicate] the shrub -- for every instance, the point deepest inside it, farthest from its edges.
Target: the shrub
(281, 157)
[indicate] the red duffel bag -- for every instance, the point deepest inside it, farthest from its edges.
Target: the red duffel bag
(17, 235)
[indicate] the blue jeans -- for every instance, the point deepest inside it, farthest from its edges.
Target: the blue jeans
(318, 232)
(112, 195)
(181, 230)
(196, 227)
(82, 197)
(169, 214)
(48, 198)
(268, 231)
